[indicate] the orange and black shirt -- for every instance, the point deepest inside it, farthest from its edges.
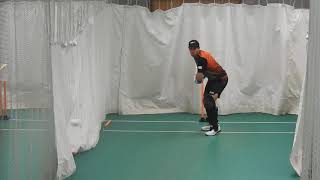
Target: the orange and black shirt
(207, 65)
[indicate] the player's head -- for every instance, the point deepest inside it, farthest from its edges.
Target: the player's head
(194, 47)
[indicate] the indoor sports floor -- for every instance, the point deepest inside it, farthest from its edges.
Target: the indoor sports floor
(252, 146)
(24, 145)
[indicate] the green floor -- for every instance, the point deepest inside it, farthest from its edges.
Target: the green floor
(251, 147)
(26, 145)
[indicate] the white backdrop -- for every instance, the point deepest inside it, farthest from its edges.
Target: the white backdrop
(257, 46)
(131, 61)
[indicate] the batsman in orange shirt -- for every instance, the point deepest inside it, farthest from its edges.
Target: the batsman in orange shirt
(207, 67)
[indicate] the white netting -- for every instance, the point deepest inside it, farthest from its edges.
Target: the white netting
(310, 116)
(29, 134)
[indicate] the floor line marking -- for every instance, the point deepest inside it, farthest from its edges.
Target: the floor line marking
(226, 122)
(230, 132)
(31, 120)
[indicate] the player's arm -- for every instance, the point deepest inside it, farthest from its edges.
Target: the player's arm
(202, 65)
(201, 69)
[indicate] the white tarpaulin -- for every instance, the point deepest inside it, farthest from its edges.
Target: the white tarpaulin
(254, 44)
(131, 61)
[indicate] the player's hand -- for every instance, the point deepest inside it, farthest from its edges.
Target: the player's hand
(215, 97)
(199, 77)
